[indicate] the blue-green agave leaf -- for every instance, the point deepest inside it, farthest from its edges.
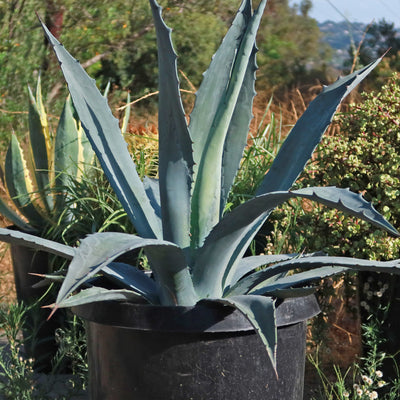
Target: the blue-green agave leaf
(293, 292)
(260, 311)
(175, 146)
(47, 279)
(19, 184)
(298, 147)
(38, 147)
(215, 81)
(224, 240)
(301, 278)
(103, 131)
(95, 294)
(132, 278)
(100, 249)
(206, 199)
(37, 243)
(311, 263)
(152, 188)
(236, 138)
(249, 264)
(349, 202)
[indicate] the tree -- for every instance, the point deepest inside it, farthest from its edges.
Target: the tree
(290, 44)
(380, 37)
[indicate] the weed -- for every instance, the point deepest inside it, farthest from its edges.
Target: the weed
(363, 380)
(19, 381)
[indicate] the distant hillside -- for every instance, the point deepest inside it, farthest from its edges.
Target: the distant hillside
(339, 36)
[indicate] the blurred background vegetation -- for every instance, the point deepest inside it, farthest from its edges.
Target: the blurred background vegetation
(115, 42)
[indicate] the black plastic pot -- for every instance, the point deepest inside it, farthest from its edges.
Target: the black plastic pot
(206, 352)
(39, 334)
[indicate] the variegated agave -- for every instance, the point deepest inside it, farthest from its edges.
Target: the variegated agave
(36, 179)
(196, 252)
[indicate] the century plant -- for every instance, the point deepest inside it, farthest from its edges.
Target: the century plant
(36, 179)
(196, 250)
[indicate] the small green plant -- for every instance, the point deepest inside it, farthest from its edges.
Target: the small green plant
(17, 377)
(364, 380)
(91, 206)
(16, 372)
(194, 249)
(72, 350)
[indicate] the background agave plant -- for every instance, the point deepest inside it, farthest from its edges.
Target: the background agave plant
(36, 179)
(195, 249)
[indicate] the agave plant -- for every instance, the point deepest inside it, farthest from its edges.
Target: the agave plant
(36, 179)
(195, 249)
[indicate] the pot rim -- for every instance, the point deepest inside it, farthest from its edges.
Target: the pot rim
(207, 317)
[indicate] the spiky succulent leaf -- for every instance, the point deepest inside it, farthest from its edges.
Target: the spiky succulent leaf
(260, 311)
(95, 294)
(42, 114)
(175, 146)
(103, 131)
(347, 201)
(152, 188)
(86, 153)
(236, 138)
(222, 243)
(301, 278)
(99, 250)
(249, 264)
(37, 243)
(40, 156)
(306, 263)
(9, 214)
(206, 200)
(19, 184)
(129, 277)
(215, 81)
(66, 152)
(47, 279)
(298, 147)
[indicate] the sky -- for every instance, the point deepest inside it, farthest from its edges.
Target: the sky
(355, 10)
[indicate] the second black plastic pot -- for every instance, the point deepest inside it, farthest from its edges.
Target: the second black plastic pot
(39, 333)
(200, 353)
